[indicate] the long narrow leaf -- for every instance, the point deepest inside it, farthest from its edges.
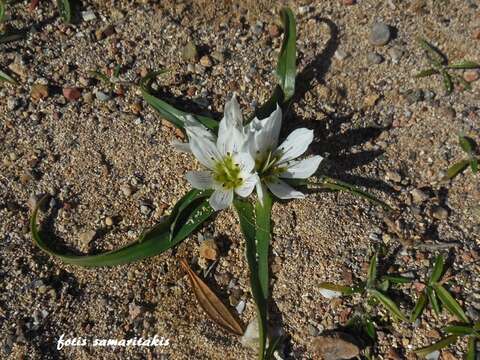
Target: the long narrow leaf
(272, 347)
(389, 304)
(425, 73)
(437, 346)
(170, 113)
(434, 55)
(263, 234)
(467, 144)
(447, 81)
(370, 329)
(210, 303)
(65, 10)
(459, 330)
(432, 297)
(2, 10)
(372, 271)
(345, 290)
(287, 67)
(11, 36)
(450, 303)
(471, 349)
(474, 165)
(7, 78)
(438, 269)
(150, 243)
(246, 215)
(464, 65)
(419, 307)
(457, 168)
(397, 279)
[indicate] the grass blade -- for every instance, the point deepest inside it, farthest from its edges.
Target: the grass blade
(2, 10)
(433, 54)
(450, 303)
(432, 297)
(474, 165)
(464, 65)
(197, 215)
(372, 272)
(263, 215)
(438, 269)
(65, 10)
(437, 346)
(7, 78)
(370, 329)
(447, 81)
(246, 215)
(210, 303)
(337, 185)
(427, 72)
(271, 348)
(467, 144)
(389, 304)
(345, 290)
(457, 168)
(458, 330)
(12, 36)
(150, 243)
(397, 279)
(170, 113)
(419, 307)
(471, 349)
(287, 67)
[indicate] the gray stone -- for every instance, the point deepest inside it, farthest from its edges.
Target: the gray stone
(190, 52)
(440, 213)
(102, 96)
(88, 15)
(396, 53)
(379, 34)
(418, 196)
(335, 347)
(374, 58)
(341, 54)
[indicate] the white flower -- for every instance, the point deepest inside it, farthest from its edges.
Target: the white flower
(274, 162)
(229, 166)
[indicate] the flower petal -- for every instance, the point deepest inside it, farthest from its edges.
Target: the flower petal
(282, 190)
(204, 150)
(244, 161)
(194, 126)
(302, 169)
(263, 134)
(232, 113)
(202, 180)
(230, 140)
(221, 199)
(294, 145)
(247, 187)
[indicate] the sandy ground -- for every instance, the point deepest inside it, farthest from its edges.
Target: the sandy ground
(373, 131)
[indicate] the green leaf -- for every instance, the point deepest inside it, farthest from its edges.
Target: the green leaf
(345, 290)
(101, 77)
(464, 65)
(437, 346)
(389, 304)
(271, 348)
(447, 81)
(263, 215)
(434, 55)
(2, 10)
(474, 165)
(197, 215)
(450, 303)
(372, 272)
(65, 10)
(337, 185)
(467, 144)
(150, 243)
(192, 197)
(384, 285)
(419, 307)
(457, 168)
(287, 67)
(432, 297)
(438, 269)
(11, 36)
(459, 330)
(170, 113)
(370, 329)
(427, 72)
(246, 215)
(7, 78)
(397, 279)
(471, 349)
(116, 71)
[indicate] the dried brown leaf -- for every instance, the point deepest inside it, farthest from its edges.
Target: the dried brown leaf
(210, 303)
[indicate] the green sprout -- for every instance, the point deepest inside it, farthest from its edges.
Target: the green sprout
(109, 80)
(65, 10)
(7, 78)
(469, 146)
(440, 65)
(375, 289)
(2, 10)
(471, 331)
(435, 291)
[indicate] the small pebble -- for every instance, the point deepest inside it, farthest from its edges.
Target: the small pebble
(274, 30)
(12, 104)
(374, 58)
(208, 249)
(217, 55)
(440, 213)
(126, 189)
(39, 92)
(379, 34)
(88, 15)
(190, 52)
(341, 54)
(396, 53)
(72, 93)
(145, 210)
(348, 2)
(471, 75)
(86, 237)
(206, 61)
(418, 196)
(394, 176)
(108, 221)
(100, 95)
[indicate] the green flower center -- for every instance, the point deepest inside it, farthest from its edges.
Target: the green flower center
(265, 165)
(227, 173)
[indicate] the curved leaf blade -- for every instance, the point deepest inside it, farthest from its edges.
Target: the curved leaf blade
(464, 65)
(437, 346)
(345, 290)
(432, 297)
(7, 78)
(425, 73)
(438, 269)
(457, 168)
(167, 111)
(65, 10)
(419, 307)
(2, 10)
(210, 303)
(459, 330)
(389, 304)
(287, 67)
(471, 349)
(372, 271)
(450, 303)
(263, 215)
